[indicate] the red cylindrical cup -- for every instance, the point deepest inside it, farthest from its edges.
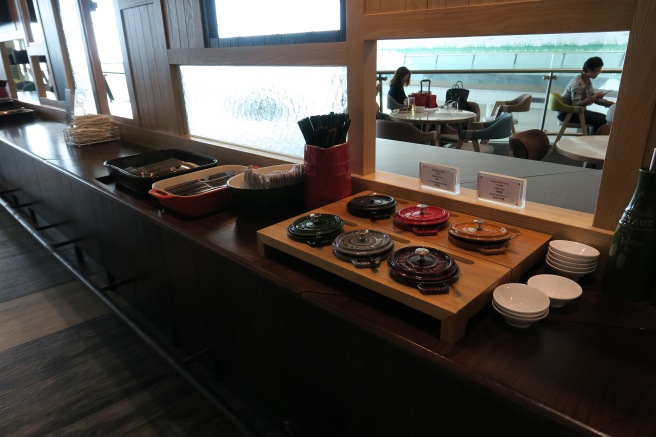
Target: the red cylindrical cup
(327, 174)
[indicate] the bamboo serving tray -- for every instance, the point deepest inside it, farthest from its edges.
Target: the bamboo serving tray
(480, 274)
(527, 249)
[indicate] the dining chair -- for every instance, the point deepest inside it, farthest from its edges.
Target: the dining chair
(393, 104)
(402, 131)
(493, 130)
(555, 103)
(449, 134)
(529, 144)
(521, 103)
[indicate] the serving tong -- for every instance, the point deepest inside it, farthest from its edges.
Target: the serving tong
(199, 186)
(161, 168)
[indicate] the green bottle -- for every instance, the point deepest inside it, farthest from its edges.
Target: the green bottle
(630, 271)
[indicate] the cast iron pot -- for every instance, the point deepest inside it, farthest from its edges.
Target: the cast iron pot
(429, 270)
(363, 248)
(421, 219)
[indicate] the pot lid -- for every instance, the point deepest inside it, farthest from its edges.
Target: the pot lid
(422, 264)
(362, 243)
(315, 226)
(479, 231)
(375, 205)
(422, 215)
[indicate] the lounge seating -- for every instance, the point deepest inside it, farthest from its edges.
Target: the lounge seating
(449, 134)
(555, 103)
(393, 104)
(402, 131)
(603, 129)
(494, 130)
(529, 144)
(522, 103)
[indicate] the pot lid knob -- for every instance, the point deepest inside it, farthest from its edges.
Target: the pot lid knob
(363, 235)
(314, 218)
(421, 207)
(422, 252)
(479, 224)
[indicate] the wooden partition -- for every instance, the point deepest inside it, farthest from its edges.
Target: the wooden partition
(371, 20)
(162, 35)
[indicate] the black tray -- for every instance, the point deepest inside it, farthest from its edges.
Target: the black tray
(142, 184)
(12, 113)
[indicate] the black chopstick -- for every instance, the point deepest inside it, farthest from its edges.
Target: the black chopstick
(325, 130)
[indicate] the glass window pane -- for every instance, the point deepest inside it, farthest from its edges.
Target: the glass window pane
(454, 62)
(568, 50)
(260, 107)
(493, 61)
(266, 17)
(35, 25)
(111, 58)
(21, 71)
(74, 36)
(530, 60)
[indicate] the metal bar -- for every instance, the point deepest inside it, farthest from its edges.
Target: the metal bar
(502, 70)
(141, 333)
(44, 227)
(546, 101)
(64, 243)
(114, 285)
(21, 205)
(194, 357)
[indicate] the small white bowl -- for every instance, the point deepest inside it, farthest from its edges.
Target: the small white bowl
(559, 289)
(517, 321)
(538, 316)
(570, 267)
(575, 276)
(420, 108)
(520, 299)
(573, 249)
(570, 258)
(567, 261)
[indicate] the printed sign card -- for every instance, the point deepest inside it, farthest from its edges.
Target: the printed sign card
(440, 177)
(502, 189)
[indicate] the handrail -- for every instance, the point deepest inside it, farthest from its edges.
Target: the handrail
(500, 70)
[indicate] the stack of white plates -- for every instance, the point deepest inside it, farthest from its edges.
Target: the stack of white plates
(571, 259)
(520, 304)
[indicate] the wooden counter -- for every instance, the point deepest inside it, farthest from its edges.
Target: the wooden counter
(305, 346)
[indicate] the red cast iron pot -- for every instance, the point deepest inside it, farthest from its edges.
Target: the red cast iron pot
(421, 219)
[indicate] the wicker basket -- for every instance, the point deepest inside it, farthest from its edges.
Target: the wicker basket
(77, 136)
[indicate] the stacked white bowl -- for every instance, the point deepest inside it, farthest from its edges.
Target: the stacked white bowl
(520, 305)
(571, 259)
(559, 289)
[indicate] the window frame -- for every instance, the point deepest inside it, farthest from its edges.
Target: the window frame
(212, 40)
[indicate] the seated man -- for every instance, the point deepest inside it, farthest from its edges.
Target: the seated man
(579, 92)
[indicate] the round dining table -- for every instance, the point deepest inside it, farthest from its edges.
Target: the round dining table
(591, 149)
(433, 116)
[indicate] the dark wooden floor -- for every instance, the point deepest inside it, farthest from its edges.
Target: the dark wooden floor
(68, 366)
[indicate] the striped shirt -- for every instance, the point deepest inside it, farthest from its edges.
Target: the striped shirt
(577, 90)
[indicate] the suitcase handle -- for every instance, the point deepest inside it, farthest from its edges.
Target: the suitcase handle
(421, 85)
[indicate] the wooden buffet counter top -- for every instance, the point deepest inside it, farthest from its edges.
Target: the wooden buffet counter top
(333, 357)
